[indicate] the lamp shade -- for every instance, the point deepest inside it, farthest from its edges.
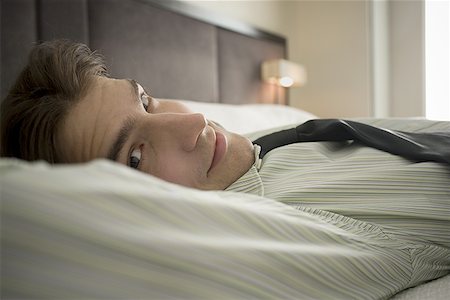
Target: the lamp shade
(283, 72)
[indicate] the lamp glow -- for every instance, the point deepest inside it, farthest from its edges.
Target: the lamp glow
(283, 73)
(286, 81)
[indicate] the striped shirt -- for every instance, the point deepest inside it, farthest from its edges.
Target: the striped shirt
(348, 185)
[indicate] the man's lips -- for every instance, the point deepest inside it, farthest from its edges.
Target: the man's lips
(219, 149)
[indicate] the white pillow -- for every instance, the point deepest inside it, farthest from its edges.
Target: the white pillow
(250, 117)
(103, 230)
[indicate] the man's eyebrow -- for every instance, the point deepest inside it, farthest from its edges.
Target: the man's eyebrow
(134, 84)
(121, 139)
(124, 131)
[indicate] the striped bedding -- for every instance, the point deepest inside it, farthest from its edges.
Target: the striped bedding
(101, 230)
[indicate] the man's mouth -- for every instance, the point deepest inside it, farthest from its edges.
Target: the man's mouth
(219, 149)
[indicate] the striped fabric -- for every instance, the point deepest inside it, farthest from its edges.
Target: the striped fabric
(101, 230)
(409, 202)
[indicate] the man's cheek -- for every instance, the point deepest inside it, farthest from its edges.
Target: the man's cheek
(176, 171)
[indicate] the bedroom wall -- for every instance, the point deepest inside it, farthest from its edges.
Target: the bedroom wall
(335, 42)
(407, 58)
(264, 14)
(328, 37)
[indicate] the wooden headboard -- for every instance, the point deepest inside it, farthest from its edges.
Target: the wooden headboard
(175, 49)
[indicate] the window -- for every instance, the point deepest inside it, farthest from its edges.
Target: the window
(437, 59)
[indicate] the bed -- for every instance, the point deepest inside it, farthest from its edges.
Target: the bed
(97, 230)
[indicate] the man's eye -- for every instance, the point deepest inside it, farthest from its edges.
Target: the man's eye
(135, 158)
(145, 100)
(143, 97)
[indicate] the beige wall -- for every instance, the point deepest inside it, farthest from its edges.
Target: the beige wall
(330, 38)
(407, 58)
(264, 14)
(334, 40)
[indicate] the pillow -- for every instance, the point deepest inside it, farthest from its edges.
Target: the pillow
(248, 118)
(103, 230)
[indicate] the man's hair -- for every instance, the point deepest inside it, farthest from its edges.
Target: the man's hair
(57, 75)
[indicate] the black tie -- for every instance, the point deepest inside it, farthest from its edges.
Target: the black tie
(418, 147)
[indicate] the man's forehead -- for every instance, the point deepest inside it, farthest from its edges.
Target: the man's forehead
(91, 124)
(115, 87)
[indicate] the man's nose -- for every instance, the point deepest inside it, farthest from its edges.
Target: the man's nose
(194, 125)
(185, 128)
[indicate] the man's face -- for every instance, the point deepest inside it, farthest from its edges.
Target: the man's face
(119, 121)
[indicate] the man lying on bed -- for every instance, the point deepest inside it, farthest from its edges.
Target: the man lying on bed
(64, 109)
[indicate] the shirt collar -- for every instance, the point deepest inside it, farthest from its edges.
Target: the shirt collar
(250, 182)
(258, 161)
